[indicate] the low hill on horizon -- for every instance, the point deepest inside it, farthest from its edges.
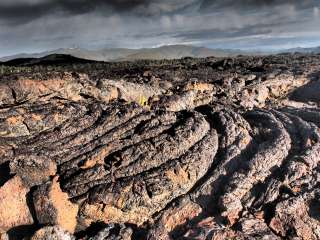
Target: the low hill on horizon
(164, 52)
(123, 54)
(46, 60)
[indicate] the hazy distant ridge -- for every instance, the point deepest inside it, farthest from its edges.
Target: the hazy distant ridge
(164, 52)
(123, 54)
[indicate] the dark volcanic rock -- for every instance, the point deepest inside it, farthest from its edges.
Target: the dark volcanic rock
(113, 232)
(183, 149)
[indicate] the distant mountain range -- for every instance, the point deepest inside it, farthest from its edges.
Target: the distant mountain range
(164, 52)
(123, 54)
(315, 50)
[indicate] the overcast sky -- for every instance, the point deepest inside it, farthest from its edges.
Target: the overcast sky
(39, 25)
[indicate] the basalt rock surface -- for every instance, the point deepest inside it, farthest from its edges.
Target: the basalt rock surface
(185, 149)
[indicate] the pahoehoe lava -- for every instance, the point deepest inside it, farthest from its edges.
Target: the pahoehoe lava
(215, 148)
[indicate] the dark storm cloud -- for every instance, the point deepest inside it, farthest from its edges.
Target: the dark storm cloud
(22, 11)
(208, 5)
(36, 25)
(17, 12)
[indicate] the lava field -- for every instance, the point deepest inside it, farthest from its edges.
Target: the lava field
(215, 148)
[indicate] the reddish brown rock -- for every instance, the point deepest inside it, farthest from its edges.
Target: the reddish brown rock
(292, 218)
(14, 210)
(52, 233)
(172, 218)
(53, 207)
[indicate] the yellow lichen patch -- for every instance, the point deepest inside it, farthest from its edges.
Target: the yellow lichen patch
(178, 176)
(66, 211)
(143, 101)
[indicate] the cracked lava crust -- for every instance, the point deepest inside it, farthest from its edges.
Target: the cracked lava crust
(212, 148)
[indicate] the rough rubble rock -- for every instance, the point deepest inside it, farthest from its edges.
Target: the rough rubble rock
(53, 207)
(14, 210)
(113, 232)
(34, 171)
(257, 94)
(185, 101)
(293, 219)
(269, 154)
(73, 87)
(307, 114)
(130, 92)
(248, 228)
(235, 138)
(178, 214)
(52, 233)
(136, 199)
(216, 148)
